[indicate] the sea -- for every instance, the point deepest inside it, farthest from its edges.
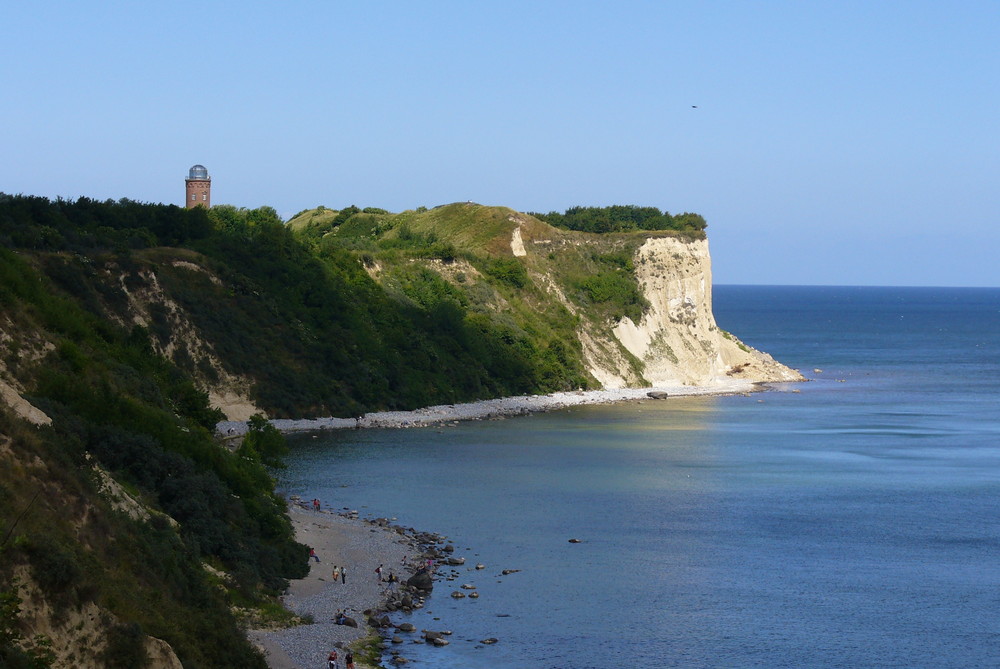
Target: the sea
(852, 520)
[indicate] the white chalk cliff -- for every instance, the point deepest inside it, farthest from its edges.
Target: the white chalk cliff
(677, 341)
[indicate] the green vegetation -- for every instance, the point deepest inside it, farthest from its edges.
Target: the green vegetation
(624, 218)
(116, 404)
(16, 652)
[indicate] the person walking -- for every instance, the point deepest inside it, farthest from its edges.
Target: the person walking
(378, 573)
(343, 575)
(349, 659)
(331, 660)
(336, 573)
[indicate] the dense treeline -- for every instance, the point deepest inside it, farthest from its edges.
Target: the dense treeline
(86, 225)
(624, 218)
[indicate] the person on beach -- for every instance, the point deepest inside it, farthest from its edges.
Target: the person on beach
(331, 660)
(343, 575)
(349, 659)
(316, 505)
(393, 580)
(378, 573)
(312, 554)
(336, 573)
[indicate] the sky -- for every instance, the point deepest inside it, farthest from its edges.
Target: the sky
(826, 143)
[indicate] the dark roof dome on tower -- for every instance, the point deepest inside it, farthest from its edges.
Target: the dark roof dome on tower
(198, 172)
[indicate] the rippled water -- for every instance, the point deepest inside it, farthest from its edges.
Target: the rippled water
(853, 523)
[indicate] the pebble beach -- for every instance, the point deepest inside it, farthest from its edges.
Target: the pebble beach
(486, 409)
(341, 539)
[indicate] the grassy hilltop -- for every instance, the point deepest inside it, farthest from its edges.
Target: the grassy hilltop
(511, 274)
(126, 327)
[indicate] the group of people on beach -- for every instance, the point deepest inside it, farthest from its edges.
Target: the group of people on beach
(333, 660)
(339, 573)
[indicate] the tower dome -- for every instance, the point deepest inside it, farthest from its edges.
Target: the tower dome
(198, 172)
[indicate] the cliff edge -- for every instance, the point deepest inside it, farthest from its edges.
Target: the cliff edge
(677, 339)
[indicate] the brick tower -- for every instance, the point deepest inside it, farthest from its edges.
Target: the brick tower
(198, 187)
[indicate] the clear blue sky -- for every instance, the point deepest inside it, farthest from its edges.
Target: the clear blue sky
(832, 143)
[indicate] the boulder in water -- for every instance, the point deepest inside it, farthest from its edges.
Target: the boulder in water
(421, 581)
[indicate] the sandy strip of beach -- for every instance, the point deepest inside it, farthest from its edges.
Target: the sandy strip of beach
(484, 409)
(358, 545)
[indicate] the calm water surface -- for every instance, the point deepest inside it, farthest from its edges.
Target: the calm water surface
(853, 523)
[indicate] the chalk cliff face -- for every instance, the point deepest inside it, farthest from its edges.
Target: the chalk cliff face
(677, 339)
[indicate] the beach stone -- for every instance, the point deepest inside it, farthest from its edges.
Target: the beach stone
(474, 595)
(430, 635)
(421, 581)
(657, 395)
(468, 586)
(489, 641)
(406, 627)
(350, 622)
(480, 566)
(457, 595)
(574, 541)
(440, 642)
(449, 548)
(397, 639)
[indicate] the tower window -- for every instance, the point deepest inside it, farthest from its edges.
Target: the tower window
(193, 197)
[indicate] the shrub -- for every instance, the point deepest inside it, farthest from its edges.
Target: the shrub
(509, 271)
(619, 291)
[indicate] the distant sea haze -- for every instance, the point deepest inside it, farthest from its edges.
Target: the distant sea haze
(848, 521)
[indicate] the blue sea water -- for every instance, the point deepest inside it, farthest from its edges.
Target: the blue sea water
(849, 521)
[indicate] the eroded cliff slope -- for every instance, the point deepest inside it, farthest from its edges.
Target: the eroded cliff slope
(677, 339)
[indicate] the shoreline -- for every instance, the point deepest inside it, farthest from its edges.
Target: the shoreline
(340, 537)
(343, 539)
(485, 409)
